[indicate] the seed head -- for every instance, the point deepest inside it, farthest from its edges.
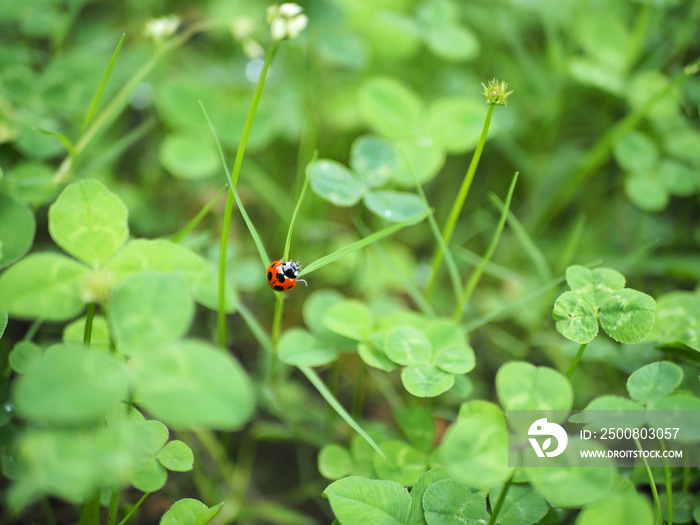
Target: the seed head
(496, 93)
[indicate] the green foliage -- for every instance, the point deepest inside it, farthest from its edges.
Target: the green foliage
(175, 455)
(654, 381)
(88, 222)
(69, 385)
(475, 448)
(431, 357)
(569, 484)
(388, 106)
(522, 505)
(299, 348)
(618, 508)
(599, 294)
(357, 500)
(138, 335)
(44, 285)
(373, 162)
(448, 503)
(191, 385)
(17, 226)
(190, 510)
(148, 310)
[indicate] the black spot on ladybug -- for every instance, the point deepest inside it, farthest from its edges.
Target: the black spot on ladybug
(279, 288)
(269, 277)
(280, 277)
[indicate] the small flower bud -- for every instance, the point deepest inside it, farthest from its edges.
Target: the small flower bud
(286, 20)
(97, 286)
(161, 28)
(496, 93)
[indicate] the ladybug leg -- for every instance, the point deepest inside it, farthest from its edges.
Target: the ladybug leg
(302, 281)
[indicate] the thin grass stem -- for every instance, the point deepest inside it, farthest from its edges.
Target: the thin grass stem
(194, 222)
(315, 380)
(501, 498)
(655, 493)
(479, 270)
(134, 509)
(89, 317)
(458, 204)
(574, 363)
(233, 182)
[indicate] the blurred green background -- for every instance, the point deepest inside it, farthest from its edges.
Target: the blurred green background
(604, 175)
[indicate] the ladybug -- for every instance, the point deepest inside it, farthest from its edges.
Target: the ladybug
(282, 276)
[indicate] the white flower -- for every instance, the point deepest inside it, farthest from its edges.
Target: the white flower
(242, 29)
(286, 20)
(161, 28)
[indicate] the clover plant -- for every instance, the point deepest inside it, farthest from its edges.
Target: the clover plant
(150, 374)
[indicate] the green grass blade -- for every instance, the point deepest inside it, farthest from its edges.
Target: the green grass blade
(288, 242)
(251, 228)
(315, 380)
(254, 326)
(461, 197)
(109, 153)
(572, 242)
(481, 321)
(192, 224)
(65, 170)
(492, 269)
(510, 306)
(435, 229)
(97, 97)
(410, 288)
(531, 249)
(476, 274)
(376, 236)
(70, 148)
(599, 154)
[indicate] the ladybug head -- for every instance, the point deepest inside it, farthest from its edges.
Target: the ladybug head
(291, 269)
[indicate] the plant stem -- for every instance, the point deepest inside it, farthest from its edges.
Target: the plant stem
(322, 389)
(113, 506)
(63, 173)
(358, 399)
(240, 152)
(573, 364)
(187, 228)
(304, 186)
(479, 270)
(654, 492)
(669, 487)
(600, 152)
(134, 509)
(33, 328)
(458, 204)
(90, 514)
(435, 229)
(271, 370)
(501, 499)
(50, 518)
(89, 317)
(221, 310)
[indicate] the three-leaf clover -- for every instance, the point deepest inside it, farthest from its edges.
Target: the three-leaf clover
(90, 223)
(599, 295)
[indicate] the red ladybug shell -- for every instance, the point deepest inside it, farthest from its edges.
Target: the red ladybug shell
(282, 276)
